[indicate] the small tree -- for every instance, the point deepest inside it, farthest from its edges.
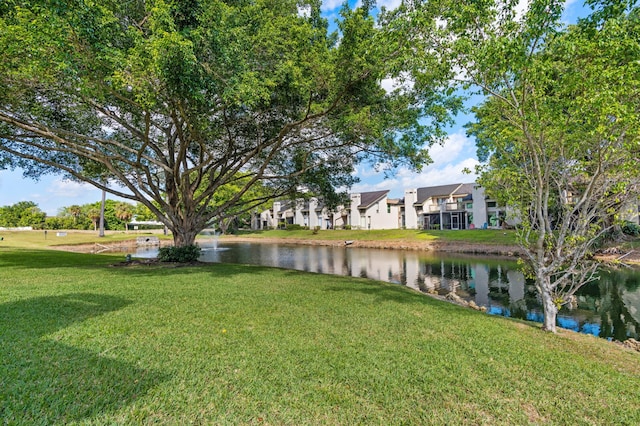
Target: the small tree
(124, 212)
(75, 211)
(559, 127)
(94, 214)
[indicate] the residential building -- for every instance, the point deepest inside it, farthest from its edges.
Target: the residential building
(454, 206)
(373, 210)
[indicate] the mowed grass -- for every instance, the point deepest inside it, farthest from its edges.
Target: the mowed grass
(38, 239)
(478, 236)
(83, 342)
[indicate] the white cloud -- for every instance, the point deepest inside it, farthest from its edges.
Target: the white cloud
(449, 161)
(367, 172)
(330, 5)
(452, 148)
(403, 82)
(304, 11)
(69, 189)
(432, 175)
(440, 175)
(521, 9)
(569, 3)
(389, 4)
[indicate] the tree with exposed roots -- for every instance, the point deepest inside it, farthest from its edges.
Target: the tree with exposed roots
(168, 103)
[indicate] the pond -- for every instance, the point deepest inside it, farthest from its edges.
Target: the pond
(608, 308)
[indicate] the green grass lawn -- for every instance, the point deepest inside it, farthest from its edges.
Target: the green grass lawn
(82, 342)
(483, 236)
(38, 239)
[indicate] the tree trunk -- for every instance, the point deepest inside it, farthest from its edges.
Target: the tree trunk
(184, 237)
(550, 309)
(102, 203)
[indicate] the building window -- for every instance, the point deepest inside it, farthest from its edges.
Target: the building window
(469, 206)
(388, 208)
(492, 204)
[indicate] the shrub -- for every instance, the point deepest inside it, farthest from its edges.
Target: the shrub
(347, 227)
(179, 254)
(295, 227)
(631, 228)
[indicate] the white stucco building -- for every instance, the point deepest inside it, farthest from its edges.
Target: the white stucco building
(454, 206)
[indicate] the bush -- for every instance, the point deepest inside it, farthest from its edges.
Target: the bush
(631, 228)
(295, 227)
(179, 254)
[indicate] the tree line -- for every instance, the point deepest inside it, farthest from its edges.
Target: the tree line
(117, 215)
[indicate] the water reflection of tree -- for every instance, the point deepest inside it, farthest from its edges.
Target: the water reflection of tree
(616, 320)
(519, 309)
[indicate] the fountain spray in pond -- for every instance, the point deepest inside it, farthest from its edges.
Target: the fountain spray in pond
(213, 241)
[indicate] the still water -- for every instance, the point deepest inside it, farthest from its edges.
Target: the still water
(608, 308)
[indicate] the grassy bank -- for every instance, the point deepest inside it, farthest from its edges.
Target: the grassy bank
(38, 239)
(475, 236)
(87, 343)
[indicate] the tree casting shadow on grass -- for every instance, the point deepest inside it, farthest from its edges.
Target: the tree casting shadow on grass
(46, 259)
(43, 381)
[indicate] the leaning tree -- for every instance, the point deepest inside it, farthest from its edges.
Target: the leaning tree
(168, 102)
(559, 127)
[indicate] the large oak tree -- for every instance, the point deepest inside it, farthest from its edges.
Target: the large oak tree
(170, 102)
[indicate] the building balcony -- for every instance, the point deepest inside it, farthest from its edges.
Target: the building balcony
(454, 207)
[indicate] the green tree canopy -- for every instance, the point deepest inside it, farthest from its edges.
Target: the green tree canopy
(559, 128)
(23, 213)
(174, 100)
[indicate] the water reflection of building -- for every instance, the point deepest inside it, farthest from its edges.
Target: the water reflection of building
(481, 283)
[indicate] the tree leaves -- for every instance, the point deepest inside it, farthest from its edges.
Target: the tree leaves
(175, 100)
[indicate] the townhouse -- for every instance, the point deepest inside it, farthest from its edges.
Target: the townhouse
(454, 206)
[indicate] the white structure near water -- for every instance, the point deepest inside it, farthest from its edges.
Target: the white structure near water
(454, 206)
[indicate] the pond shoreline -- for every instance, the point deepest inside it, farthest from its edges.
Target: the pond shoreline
(611, 256)
(435, 246)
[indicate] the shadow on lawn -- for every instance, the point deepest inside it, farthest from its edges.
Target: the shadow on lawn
(384, 292)
(43, 381)
(42, 259)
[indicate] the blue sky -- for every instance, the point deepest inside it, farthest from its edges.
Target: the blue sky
(52, 193)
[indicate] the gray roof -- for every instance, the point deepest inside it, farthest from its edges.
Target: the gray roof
(287, 205)
(465, 189)
(443, 191)
(369, 198)
(435, 191)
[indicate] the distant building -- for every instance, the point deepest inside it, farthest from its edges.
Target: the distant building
(454, 206)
